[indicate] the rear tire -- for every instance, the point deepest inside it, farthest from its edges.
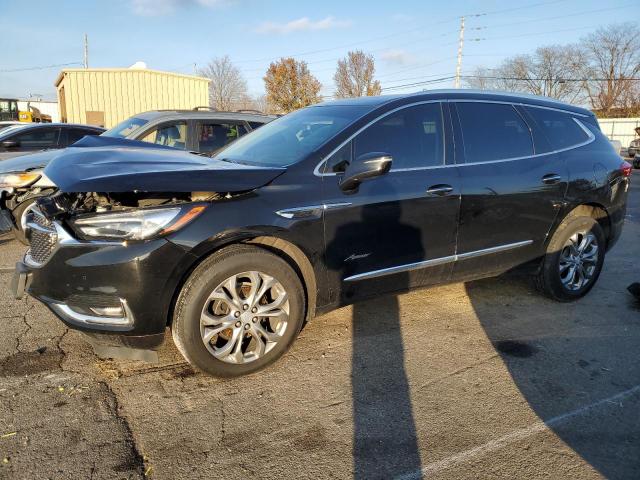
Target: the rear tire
(239, 311)
(573, 260)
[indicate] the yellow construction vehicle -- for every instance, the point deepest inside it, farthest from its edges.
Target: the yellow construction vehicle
(9, 111)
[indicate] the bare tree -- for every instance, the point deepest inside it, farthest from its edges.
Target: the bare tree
(546, 72)
(354, 76)
(481, 79)
(613, 55)
(290, 85)
(261, 103)
(227, 89)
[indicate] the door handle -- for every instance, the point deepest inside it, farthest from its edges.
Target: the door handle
(440, 190)
(551, 179)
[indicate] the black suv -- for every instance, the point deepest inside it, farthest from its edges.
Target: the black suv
(323, 207)
(199, 131)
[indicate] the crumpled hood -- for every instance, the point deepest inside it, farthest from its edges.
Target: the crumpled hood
(128, 166)
(24, 163)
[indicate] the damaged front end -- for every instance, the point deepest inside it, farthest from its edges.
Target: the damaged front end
(101, 257)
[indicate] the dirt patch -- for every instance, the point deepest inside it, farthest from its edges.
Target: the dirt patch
(29, 363)
(184, 372)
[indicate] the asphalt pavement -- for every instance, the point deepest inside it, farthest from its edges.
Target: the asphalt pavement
(479, 380)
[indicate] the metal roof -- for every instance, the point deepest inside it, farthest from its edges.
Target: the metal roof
(127, 70)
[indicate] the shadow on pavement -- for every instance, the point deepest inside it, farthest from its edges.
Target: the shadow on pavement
(385, 441)
(563, 357)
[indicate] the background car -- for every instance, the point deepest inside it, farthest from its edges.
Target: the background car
(29, 138)
(194, 130)
(10, 123)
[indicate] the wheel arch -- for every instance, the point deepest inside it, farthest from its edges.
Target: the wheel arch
(596, 211)
(286, 250)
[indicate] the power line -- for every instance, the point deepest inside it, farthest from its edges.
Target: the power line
(508, 10)
(452, 76)
(384, 37)
(529, 21)
(468, 39)
(559, 79)
(541, 33)
(43, 67)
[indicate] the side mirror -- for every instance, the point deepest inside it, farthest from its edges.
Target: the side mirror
(10, 144)
(368, 165)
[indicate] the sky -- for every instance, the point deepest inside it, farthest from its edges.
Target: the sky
(411, 40)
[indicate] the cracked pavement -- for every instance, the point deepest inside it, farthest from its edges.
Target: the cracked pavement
(477, 380)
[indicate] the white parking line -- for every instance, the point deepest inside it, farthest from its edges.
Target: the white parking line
(514, 436)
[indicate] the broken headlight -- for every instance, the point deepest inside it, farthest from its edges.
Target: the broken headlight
(18, 179)
(140, 224)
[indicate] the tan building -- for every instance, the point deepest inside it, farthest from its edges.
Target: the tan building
(106, 96)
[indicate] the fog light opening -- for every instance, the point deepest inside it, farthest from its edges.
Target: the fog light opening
(116, 312)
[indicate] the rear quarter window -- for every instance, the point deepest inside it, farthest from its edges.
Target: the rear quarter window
(560, 129)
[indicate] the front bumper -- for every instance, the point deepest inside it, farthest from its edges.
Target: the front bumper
(6, 218)
(106, 287)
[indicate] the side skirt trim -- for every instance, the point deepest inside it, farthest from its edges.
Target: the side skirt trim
(436, 261)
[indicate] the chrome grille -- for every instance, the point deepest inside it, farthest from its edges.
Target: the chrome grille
(43, 237)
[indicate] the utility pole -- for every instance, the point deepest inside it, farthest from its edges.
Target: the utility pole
(460, 45)
(86, 51)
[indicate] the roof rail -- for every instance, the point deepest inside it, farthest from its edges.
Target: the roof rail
(205, 108)
(249, 110)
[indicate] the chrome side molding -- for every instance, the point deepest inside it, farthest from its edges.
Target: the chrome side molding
(311, 210)
(401, 268)
(436, 261)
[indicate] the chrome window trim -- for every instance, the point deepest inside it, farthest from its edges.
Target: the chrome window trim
(522, 104)
(436, 261)
(590, 134)
(589, 140)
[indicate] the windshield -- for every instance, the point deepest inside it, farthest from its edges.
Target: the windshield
(125, 128)
(289, 139)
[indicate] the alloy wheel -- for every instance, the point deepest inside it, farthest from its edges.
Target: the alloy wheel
(244, 317)
(578, 260)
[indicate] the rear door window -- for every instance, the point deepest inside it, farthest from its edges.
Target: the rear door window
(558, 127)
(493, 131)
(212, 136)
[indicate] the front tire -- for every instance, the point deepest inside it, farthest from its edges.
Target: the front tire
(20, 217)
(239, 311)
(573, 260)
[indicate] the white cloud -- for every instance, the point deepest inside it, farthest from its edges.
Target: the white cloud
(396, 57)
(154, 8)
(303, 24)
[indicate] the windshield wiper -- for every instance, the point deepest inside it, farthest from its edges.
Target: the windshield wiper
(201, 154)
